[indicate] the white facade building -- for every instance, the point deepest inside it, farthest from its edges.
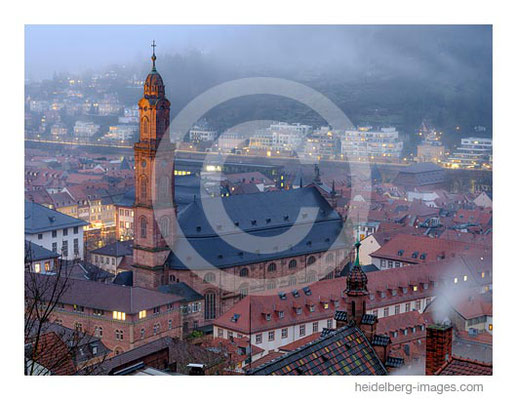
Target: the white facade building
(55, 231)
(367, 143)
(280, 137)
(474, 152)
(85, 129)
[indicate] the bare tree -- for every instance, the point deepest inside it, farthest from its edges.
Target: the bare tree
(50, 347)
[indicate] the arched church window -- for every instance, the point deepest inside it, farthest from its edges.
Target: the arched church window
(143, 227)
(143, 187)
(292, 264)
(165, 226)
(271, 267)
(163, 192)
(209, 305)
(244, 272)
(145, 126)
(311, 260)
(209, 277)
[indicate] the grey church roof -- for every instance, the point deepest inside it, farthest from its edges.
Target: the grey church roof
(265, 214)
(39, 219)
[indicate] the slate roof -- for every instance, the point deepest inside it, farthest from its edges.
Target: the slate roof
(42, 219)
(109, 297)
(124, 278)
(264, 214)
(346, 352)
(36, 252)
(181, 289)
(464, 366)
(116, 249)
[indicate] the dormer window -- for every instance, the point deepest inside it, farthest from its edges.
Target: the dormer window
(393, 292)
(383, 295)
(325, 305)
(404, 290)
(280, 314)
(268, 317)
(298, 310)
(415, 254)
(426, 286)
(311, 307)
(415, 288)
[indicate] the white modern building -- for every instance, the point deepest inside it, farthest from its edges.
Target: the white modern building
(366, 143)
(85, 129)
(474, 152)
(199, 134)
(55, 231)
(280, 136)
(122, 132)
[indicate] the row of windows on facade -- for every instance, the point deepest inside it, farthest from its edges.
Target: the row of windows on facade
(65, 233)
(395, 292)
(101, 258)
(284, 333)
(164, 188)
(124, 212)
(405, 331)
(164, 224)
(407, 308)
(244, 272)
(119, 333)
(119, 315)
(48, 267)
(64, 247)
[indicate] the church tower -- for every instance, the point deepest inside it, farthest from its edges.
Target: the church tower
(154, 184)
(356, 290)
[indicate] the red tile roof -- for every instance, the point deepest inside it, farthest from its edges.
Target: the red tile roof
(300, 342)
(464, 366)
(403, 246)
(378, 281)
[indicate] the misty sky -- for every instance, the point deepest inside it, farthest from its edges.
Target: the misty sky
(405, 50)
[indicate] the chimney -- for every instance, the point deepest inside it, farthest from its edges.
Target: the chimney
(438, 346)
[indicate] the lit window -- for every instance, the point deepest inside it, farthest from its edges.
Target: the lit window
(142, 314)
(455, 280)
(415, 288)
(464, 278)
(119, 315)
(37, 268)
(490, 327)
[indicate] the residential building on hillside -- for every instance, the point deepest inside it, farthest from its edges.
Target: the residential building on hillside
(474, 152)
(366, 143)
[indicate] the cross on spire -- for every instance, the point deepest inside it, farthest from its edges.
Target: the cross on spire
(153, 45)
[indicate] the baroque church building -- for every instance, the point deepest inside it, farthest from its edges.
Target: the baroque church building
(226, 272)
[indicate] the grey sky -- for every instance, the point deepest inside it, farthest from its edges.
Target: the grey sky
(408, 50)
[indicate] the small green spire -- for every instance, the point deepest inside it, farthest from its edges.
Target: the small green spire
(357, 245)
